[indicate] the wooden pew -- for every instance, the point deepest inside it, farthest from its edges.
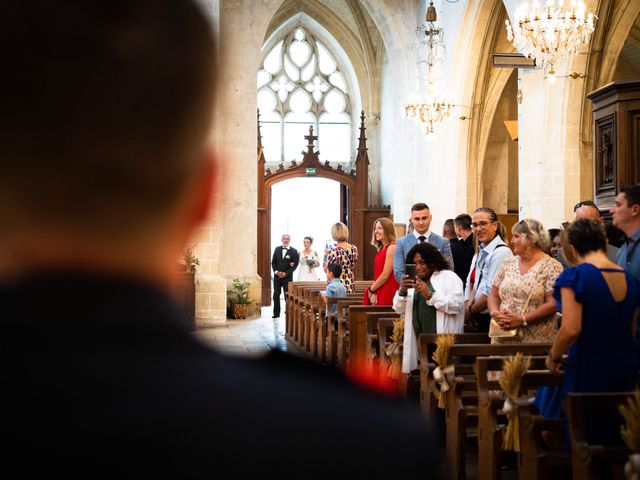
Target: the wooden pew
(292, 302)
(462, 398)
(385, 332)
(306, 320)
(299, 306)
(536, 461)
(428, 388)
(595, 461)
(333, 322)
(373, 355)
(356, 335)
(491, 420)
(313, 320)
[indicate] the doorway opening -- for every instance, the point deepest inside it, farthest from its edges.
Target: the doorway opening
(305, 207)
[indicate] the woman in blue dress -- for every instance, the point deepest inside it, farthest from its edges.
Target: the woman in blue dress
(598, 300)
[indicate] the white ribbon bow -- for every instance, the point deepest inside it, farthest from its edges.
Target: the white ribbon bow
(632, 467)
(444, 376)
(510, 404)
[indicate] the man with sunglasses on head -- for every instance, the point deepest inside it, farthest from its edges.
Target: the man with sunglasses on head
(492, 251)
(588, 209)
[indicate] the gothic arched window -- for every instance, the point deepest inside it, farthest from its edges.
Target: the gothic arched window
(300, 84)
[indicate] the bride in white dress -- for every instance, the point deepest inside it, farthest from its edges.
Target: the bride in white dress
(309, 261)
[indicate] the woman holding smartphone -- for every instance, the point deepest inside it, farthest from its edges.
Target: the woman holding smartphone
(431, 300)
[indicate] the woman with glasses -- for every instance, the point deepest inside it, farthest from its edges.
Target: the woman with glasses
(492, 251)
(595, 344)
(521, 293)
(384, 285)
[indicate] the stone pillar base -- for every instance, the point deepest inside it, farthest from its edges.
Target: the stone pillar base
(211, 300)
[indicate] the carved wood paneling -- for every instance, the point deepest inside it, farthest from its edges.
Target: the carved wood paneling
(605, 154)
(616, 134)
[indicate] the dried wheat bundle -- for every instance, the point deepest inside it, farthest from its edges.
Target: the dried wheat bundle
(631, 430)
(441, 357)
(513, 370)
(394, 351)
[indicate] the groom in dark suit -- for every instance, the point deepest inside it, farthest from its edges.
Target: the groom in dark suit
(284, 262)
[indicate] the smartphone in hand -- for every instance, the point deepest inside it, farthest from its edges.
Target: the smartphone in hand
(410, 270)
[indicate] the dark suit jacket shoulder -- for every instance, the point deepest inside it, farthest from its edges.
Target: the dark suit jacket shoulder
(280, 264)
(100, 376)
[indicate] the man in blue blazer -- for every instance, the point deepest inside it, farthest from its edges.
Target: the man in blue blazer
(421, 221)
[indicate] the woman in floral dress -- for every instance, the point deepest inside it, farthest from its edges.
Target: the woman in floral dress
(309, 261)
(344, 254)
(522, 290)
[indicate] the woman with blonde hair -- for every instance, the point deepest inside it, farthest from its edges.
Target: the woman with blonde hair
(522, 291)
(344, 254)
(384, 286)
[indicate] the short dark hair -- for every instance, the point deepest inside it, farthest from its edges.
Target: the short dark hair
(587, 235)
(448, 223)
(463, 221)
(419, 206)
(335, 269)
(106, 107)
(553, 233)
(430, 255)
(632, 194)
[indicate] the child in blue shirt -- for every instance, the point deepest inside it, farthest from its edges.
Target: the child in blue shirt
(335, 288)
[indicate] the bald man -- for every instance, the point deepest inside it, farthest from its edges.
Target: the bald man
(588, 209)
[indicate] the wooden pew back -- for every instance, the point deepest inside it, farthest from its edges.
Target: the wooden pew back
(462, 400)
(491, 419)
(594, 456)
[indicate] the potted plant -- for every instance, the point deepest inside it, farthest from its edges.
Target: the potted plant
(238, 298)
(190, 260)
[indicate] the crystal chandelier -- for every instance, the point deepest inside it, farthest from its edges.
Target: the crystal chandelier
(550, 34)
(433, 107)
(433, 110)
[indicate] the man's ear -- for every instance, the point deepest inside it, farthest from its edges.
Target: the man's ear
(635, 209)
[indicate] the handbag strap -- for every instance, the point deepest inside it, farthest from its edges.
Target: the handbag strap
(526, 304)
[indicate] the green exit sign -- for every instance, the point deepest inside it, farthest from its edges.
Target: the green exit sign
(311, 171)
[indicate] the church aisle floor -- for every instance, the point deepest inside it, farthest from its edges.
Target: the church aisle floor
(256, 336)
(251, 337)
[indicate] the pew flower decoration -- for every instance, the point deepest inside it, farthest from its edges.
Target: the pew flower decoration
(443, 374)
(393, 351)
(630, 433)
(510, 380)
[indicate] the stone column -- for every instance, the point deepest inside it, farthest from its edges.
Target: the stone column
(550, 173)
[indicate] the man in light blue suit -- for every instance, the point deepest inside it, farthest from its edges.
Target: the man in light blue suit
(421, 220)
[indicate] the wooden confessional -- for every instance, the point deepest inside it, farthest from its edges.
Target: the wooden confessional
(616, 140)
